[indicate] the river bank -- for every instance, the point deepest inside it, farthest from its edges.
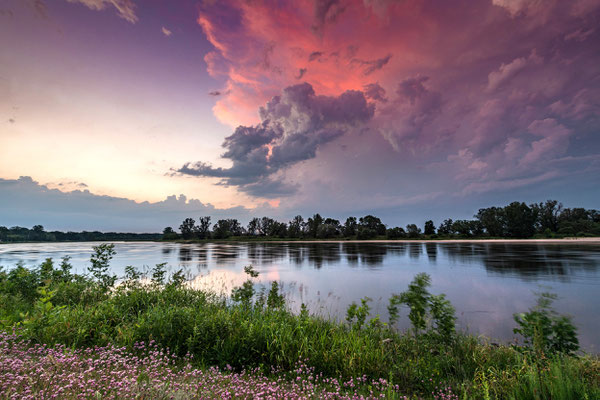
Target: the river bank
(256, 332)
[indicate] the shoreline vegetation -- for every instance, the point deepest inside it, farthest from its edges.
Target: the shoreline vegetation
(517, 220)
(153, 336)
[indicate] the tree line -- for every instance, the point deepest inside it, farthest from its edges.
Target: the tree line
(515, 220)
(37, 233)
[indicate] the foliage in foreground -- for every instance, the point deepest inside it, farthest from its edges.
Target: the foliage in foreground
(52, 306)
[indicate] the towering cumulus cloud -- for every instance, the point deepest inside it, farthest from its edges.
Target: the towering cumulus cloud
(294, 124)
(488, 94)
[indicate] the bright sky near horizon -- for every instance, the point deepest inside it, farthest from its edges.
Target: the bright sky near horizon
(407, 109)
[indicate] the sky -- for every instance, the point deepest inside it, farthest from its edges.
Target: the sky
(131, 115)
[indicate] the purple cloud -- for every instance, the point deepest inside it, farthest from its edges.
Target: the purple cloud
(294, 125)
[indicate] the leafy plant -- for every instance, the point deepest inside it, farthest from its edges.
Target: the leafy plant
(100, 260)
(43, 308)
(544, 330)
(178, 279)
(275, 299)
(443, 316)
(132, 277)
(244, 294)
(426, 310)
(158, 274)
(359, 312)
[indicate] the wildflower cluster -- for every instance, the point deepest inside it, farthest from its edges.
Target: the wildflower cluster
(36, 371)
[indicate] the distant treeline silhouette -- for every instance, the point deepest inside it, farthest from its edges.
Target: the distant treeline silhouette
(38, 234)
(516, 220)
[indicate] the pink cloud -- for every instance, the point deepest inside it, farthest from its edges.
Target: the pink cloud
(489, 91)
(507, 71)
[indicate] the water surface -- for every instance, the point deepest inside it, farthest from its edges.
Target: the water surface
(486, 282)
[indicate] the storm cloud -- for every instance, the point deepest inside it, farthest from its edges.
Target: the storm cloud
(294, 125)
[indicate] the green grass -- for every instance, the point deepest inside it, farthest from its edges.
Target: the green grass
(52, 306)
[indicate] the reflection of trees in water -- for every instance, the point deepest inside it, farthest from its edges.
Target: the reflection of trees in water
(527, 260)
(185, 254)
(320, 253)
(369, 254)
(223, 253)
(201, 252)
(166, 249)
(259, 253)
(297, 254)
(398, 249)
(431, 250)
(196, 252)
(352, 253)
(415, 250)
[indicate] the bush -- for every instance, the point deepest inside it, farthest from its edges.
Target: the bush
(544, 330)
(424, 308)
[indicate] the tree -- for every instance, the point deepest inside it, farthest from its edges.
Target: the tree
(203, 229)
(187, 228)
(445, 227)
(37, 233)
(278, 229)
(330, 228)
(254, 226)
(225, 228)
(296, 227)
(169, 233)
(493, 220)
(267, 226)
(413, 231)
(350, 227)
(429, 228)
(3, 233)
(373, 223)
(222, 229)
(476, 228)
(235, 227)
(395, 233)
(462, 227)
(365, 233)
(312, 225)
(547, 215)
(520, 220)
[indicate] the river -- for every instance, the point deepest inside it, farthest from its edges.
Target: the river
(486, 282)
